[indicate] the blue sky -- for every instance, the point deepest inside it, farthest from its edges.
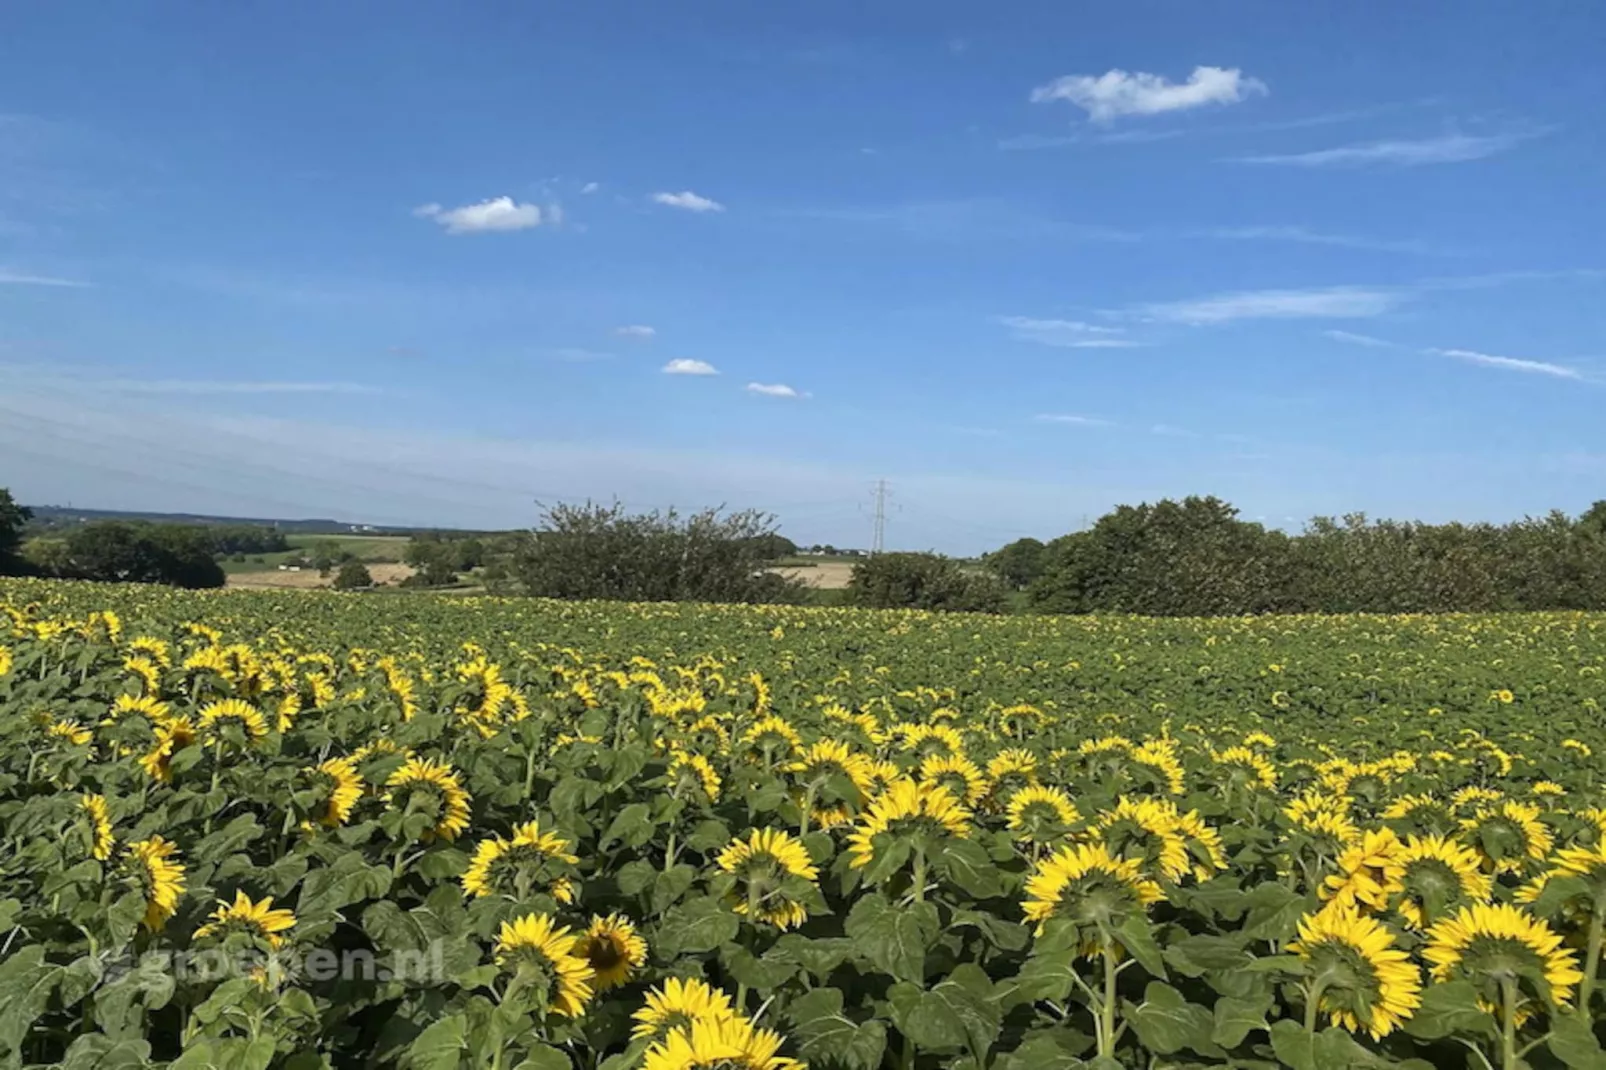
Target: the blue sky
(427, 263)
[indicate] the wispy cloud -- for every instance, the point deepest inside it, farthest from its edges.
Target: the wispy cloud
(686, 366)
(688, 201)
(1446, 148)
(1333, 302)
(775, 390)
(635, 330)
(185, 386)
(1306, 236)
(1172, 431)
(488, 216)
(1468, 356)
(577, 355)
(1116, 92)
(1513, 364)
(23, 278)
(965, 220)
(1074, 419)
(1066, 334)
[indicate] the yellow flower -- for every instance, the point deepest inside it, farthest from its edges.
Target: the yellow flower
(1361, 876)
(100, 826)
(1041, 814)
(259, 919)
(1146, 830)
(437, 779)
(71, 731)
(533, 949)
(907, 806)
(774, 736)
(171, 737)
(679, 1004)
(216, 715)
(762, 863)
(1502, 696)
(513, 867)
(724, 1044)
(160, 875)
(1088, 885)
(1508, 837)
(1357, 974)
(1247, 766)
(1433, 870)
(685, 766)
(1495, 945)
(343, 788)
(958, 774)
(613, 949)
(5, 660)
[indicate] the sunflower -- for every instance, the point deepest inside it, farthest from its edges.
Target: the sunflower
(146, 671)
(763, 864)
(1420, 814)
(679, 1004)
(835, 778)
(1548, 789)
(1355, 973)
(1430, 875)
(444, 796)
(538, 953)
(1361, 877)
(693, 771)
(1506, 953)
(725, 1044)
(512, 867)
(100, 826)
(1093, 888)
(217, 717)
(342, 788)
(1509, 837)
(71, 731)
(1041, 814)
(1158, 758)
(773, 736)
(242, 915)
(1247, 768)
(150, 707)
(907, 807)
(928, 739)
(160, 875)
(1008, 772)
(613, 949)
(5, 660)
(960, 775)
(171, 737)
(1145, 830)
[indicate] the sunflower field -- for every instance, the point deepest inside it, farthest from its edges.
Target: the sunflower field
(299, 830)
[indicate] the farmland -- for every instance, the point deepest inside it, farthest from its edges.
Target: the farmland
(306, 829)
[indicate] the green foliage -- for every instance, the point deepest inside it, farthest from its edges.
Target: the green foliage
(353, 575)
(1019, 563)
(603, 552)
(923, 581)
(116, 551)
(13, 518)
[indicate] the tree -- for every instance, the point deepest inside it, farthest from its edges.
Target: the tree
(923, 581)
(601, 551)
(13, 518)
(353, 575)
(115, 551)
(1018, 563)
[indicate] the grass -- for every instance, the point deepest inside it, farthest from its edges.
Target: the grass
(366, 548)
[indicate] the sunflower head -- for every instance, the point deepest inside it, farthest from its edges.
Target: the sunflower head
(1040, 815)
(259, 920)
(773, 874)
(233, 722)
(918, 814)
(677, 1004)
(1089, 888)
(338, 788)
(1146, 831)
(692, 773)
(960, 775)
(542, 959)
(613, 950)
(726, 1044)
(430, 799)
(533, 858)
(98, 818)
(1502, 948)
(1355, 972)
(1509, 837)
(1429, 877)
(154, 865)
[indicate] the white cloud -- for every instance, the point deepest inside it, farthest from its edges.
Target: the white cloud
(590, 187)
(23, 278)
(1071, 418)
(684, 366)
(686, 199)
(1513, 364)
(1307, 236)
(775, 390)
(495, 214)
(1066, 334)
(635, 330)
(1116, 92)
(1334, 302)
(1359, 339)
(1448, 148)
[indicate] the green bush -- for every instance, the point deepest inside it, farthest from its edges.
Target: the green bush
(924, 581)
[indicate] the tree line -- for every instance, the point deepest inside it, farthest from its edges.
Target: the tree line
(1197, 557)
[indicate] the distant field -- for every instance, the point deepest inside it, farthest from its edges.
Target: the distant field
(827, 575)
(366, 548)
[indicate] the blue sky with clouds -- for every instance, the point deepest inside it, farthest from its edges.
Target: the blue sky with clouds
(427, 263)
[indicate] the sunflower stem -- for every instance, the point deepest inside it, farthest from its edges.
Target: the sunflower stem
(1508, 1024)
(1107, 1006)
(1313, 1005)
(1597, 933)
(918, 890)
(669, 852)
